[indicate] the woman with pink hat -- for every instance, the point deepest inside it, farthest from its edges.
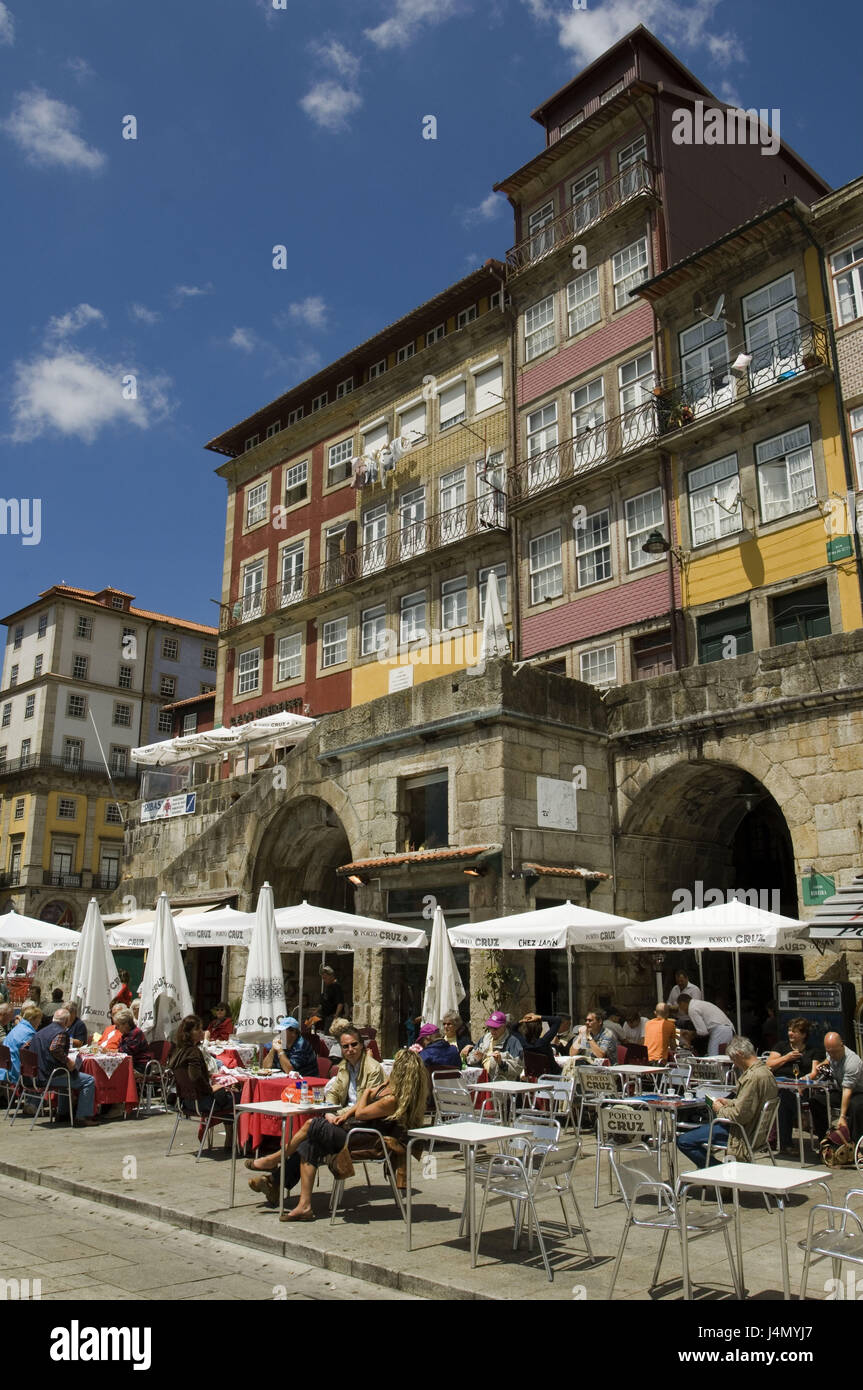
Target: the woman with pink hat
(499, 1051)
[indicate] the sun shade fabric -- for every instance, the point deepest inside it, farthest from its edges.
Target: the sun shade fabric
(728, 926)
(547, 929)
(444, 990)
(264, 989)
(274, 727)
(27, 936)
(95, 980)
(165, 995)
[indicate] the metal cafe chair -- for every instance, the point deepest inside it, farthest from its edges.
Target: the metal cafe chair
(556, 1099)
(836, 1242)
(640, 1177)
(367, 1145)
(675, 1081)
(594, 1086)
(7, 1085)
(32, 1090)
(719, 1134)
(188, 1106)
(624, 1126)
(155, 1080)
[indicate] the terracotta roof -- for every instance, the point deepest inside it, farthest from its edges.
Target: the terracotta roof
(421, 856)
(554, 871)
(191, 700)
(89, 596)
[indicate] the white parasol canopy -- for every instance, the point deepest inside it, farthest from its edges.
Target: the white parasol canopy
(495, 639)
(264, 991)
(27, 936)
(546, 929)
(444, 990)
(95, 980)
(226, 927)
(165, 996)
(274, 728)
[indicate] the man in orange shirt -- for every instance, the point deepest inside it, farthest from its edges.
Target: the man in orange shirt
(659, 1033)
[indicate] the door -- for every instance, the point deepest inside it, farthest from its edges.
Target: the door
(412, 512)
(374, 538)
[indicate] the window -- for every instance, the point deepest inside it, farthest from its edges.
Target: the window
(335, 644)
(786, 474)
(412, 530)
(855, 420)
(205, 689)
(435, 334)
(714, 500)
(541, 231)
(15, 857)
(584, 200)
(771, 322)
(704, 366)
(73, 753)
(340, 455)
(847, 268)
(123, 716)
(544, 461)
(29, 706)
(248, 671)
(253, 587)
(18, 636)
(452, 519)
(320, 401)
(635, 383)
(119, 757)
(725, 634)
(165, 723)
(466, 316)
(593, 548)
(588, 424)
(251, 442)
(651, 655)
(67, 808)
(644, 514)
(582, 301)
(539, 328)
(167, 687)
(374, 437)
(630, 166)
(19, 808)
(3, 752)
(495, 301)
(25, 752)
(124, 678)
(491, 490)
(76, 707)
(599, 667)
(293, 560)
(84, 628)
(256, 504)
(274, 428)
(571, 123)
(451, 402)
(546, 567)
(296, 483)
(7, 716)
(116, 601)
(628, 270)
(112, 814)
(290, 657)
(373, 626)
(482, 577)
(171, 648)
(453, 602)
(412, 625)
(374, 538)
(43, 625)
(611, 92)
(62, 861)
(405, 352)
(425, 811)
(109, 864)
(209, 658)
(37, 667)
(801, 614)
(190, 723)
(488, 388)
(80, 667)
(13, 676)
(412, 422)
(295, 415)
(344, 388)
(335, 550)
(128, 632)
(377, 369)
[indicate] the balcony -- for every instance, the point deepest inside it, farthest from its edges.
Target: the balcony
(105, 882)
(586, 212)
(44, 761)
(54, 878)
(420, 537)
(594, 447)
(11, 879)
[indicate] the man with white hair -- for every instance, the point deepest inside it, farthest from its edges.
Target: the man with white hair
(51, 1046)
(757, 1085)
(708, 1021)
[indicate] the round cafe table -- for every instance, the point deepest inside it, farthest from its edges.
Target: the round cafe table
(252, 1127)
(117, 1089)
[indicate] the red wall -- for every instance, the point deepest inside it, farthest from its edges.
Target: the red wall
(595, 614)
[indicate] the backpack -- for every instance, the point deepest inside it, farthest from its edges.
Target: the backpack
(837, 1151)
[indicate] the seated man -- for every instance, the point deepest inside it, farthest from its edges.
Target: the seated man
(297, 1053)
(78, 1028)
(133, 1042)
(594, 1041)
(358, 1072)
(7, 1015)
(499, 1051)
(633, 1027)
(435, 1051)
(801, 1059)
(51, 1048)
(659, 1034)
(706, 1020)
(844, 1070)
(614, 1022)
(756, 1086)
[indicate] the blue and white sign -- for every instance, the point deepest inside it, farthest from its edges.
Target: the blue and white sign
(183, 804)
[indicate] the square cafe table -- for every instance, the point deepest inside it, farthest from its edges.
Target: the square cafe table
(283, 1110)
(797, 1085)
(470, 1136)
(511, 1090)
(776, 1182)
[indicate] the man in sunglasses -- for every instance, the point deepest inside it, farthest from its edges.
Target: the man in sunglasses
(357, 1072)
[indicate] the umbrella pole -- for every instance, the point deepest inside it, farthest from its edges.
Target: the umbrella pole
(737, 986)
(700, 958)
(569, 981)
(300, 991)
(773, 973)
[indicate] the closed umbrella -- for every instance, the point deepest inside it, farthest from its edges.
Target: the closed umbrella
(495, 639)
(95, 980)
(165, 996)
(264, 991)
(444, 990)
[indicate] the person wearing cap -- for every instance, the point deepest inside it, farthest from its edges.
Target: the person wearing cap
(296, 1054)
(332, 997)
(499, 1051)
(435, 1051)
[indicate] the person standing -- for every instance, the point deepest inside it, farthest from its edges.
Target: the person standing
(682, 986)
(697, 1016)
(332, 997)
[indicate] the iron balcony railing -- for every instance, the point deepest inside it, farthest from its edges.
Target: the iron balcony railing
(36, 761)
(105, 881)
(58, 879)
(419, 537)
(10, 879)
(585, 212)
(594, 445)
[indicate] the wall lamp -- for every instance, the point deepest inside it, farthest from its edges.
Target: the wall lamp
(357, 879)
(656, 544)
(479, 872)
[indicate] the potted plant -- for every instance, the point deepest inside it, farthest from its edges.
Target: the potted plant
(811, 358)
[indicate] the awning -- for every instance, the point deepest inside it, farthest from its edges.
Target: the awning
(553, 871)
(472, 854)
(840, 915)
(274, 729)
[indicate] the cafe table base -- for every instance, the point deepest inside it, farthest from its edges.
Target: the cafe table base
(283, 1111)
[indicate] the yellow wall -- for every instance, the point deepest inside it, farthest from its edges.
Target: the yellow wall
(102, 833)
(9, 827)
(55, 826)
(434, 659)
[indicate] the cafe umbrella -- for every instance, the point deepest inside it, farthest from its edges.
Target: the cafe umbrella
(444, 990)
(95, 980)
(165, 996)
(264, 989)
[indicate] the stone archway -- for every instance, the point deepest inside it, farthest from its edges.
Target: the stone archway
(299, 852)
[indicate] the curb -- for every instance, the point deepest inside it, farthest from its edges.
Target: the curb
(370, 1273)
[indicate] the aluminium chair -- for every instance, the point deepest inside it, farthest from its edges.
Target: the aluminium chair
(369, 1145)
(836, 1242)
(188, 1106)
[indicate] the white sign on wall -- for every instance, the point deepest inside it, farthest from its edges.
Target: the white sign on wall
(556, 807)
(401, 678)
(183, 804)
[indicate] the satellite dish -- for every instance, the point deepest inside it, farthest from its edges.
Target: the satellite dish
(717, 314)
(718, 308)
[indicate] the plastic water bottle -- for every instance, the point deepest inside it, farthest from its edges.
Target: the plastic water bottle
(304, 1093)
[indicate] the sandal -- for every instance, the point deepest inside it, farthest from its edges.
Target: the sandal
(266, 1188)
(293, 1216)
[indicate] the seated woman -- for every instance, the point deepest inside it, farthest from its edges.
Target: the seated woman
(133, 1042)
(537, 1041)
(455, 1030)
(297, 1054)
(392, 1108)
(436, 1052)
(221, 1024)
(111, 1036)
(187, 1060)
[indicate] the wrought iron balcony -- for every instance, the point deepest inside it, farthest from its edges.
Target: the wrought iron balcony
(105, 881)
(421, 537)
(599, 444)
(58, 879)
(584, 213)
(11, 879)
(38, 761)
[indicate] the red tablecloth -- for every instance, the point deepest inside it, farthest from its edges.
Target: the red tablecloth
(229, 1058)
(112, 1090)
(253, 1127)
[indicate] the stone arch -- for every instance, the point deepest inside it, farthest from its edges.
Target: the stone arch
(298, 852)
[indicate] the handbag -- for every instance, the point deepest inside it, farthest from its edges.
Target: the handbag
(837, 1151)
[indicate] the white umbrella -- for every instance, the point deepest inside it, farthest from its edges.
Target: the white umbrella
(165, 996)
(444, 990)
(495, 639)
(95, 980)
(27, 936)
(264, 991)
(223, 928)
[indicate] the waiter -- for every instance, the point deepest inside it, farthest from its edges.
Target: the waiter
(332, 1002)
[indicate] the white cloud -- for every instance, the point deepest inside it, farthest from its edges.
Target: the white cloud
(7, 26)
(64, 325)
(484, 211)
(729, 93)
(73, 393)
(683, 24)
(336, 56)
(46, 130)
(141, 314)
(183, 292)
(311, 311)
(407, 20)
(80, 69)
(329, 104)
(244, 339)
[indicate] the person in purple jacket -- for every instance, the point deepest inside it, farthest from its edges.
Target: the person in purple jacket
(436, 1052)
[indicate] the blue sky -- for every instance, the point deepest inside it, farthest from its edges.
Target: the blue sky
(256, 127)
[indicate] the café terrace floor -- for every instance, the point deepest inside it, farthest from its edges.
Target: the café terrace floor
(367, 1241)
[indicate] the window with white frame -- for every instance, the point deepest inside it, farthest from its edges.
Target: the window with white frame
(539, 328)
(7, 716)
(320, 401)
(253, 588)
(335, 642)
(18, 636)
(377, 369)
(296, 483)
(127, 633)
(293, 561)
(165, 722)
(495, 301)
(109, 860)
(643, 513)
(434, 335)
(339, 460)
(488, 388)
(37, 667)
(466, 316)
(373, 437)
(256, 504)
(73, 752)
(541, 231)
(451, 403)
(43, 625)
(274, 428)
(453, 602)
(628, 268)
(584, 200)
(248, 671)
(412, 422)
(635, 383)
(582, 301)
(290, 657)
(543, 458)
(491, 489)
(374, 538)
(714, 500)
(25, 752)
(4, 749)
(405, 352)
(412, 617)
(593, 548)
(80, 667)
(856, 423)
(772, 333)
(252, 441)
(704, 365)
(482, 584)
(588, 423)
(611, 92)
(630, 166)
(412, 531)
(295, 415)
(572, 123)
(209, 658)
(67, 808)
(167, 687)
(76, 706)
(373, 626)
(452, 517)
(171, 648)
(123, 716)
(29, 706)
(344, 388)
(546, 567)
(19, 807)
(112, 814)
(599, 667)
(119, 756)
(786, 474)
(847, 270)
(13, 676)
(117, 601)
(84, 628)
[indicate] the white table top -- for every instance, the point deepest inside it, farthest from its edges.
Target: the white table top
(467, 1132)
(514, 1088)
(754, 1177)
(633, 1070)
(283, 1107)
